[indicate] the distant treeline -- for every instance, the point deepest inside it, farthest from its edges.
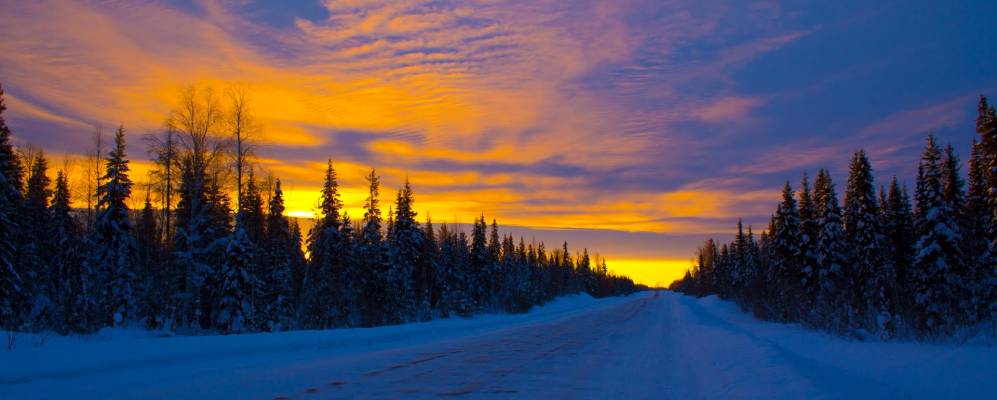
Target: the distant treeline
(188, 263)
(878, 265)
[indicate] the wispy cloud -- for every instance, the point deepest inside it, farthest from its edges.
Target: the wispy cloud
(602, 114)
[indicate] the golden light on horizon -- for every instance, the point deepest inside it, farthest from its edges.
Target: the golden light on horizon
(650, 272)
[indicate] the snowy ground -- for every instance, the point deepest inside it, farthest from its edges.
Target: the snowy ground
(642, 346)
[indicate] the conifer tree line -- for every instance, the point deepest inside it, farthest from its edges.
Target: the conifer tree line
(191, 261)
(879, 263)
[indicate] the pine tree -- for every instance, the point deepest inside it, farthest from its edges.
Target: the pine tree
(954, 196)
(151, 276)
(738, 271)
(33, 259)
(585, 271)
(953, 187)
(723, 271)
(976, 245)
(113, 243)
(481, 265)
(277, 309)
(871, 273)
(936, 248)
(517, 274)
(299, 263)
(426, 290)
(786, 269)
(350, 282)
(371, 250)
(219, 229)
(568, 268)
(405, 244)
(201, 237)
(498, 290)
(455, 278)
(809, 261)
(897, 222)
(251, 219)
(834, 296)
(324, 297)
(235, 309)
(71, 277)
(508, 262)
(250, 212)
(752, 265)
(986, 127)
(11, 198)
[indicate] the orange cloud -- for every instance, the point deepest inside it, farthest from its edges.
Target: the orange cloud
(485, 106)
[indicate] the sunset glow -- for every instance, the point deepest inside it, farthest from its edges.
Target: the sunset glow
(600, 117)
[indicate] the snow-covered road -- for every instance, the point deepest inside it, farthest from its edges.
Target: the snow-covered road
(643, 346)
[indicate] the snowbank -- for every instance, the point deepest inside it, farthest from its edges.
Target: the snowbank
(856, 369)
(51, 357)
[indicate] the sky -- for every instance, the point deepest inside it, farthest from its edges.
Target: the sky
(635, 128)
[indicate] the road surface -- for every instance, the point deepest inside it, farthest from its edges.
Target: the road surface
(656, 346)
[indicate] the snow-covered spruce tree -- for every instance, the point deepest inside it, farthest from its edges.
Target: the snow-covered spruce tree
(250, 211)
(455, 276)
(723, 271)
(518, 278)
(219, 229)
(426, 293)
(199, 243)
(203, 213)
(934, 270)
(350, 284)
(584, 270)
(759, 281)
(112, 241)
(532, 280)
(954, 197)
(551, 275)
(896, 218)
(834, 292)
(549, 272)
(976, 244)
(324, 301)
(75, 303)
(372, 253)
(871, 274)
(986, 127)
(809, 261)
(482, 268)
(11, 197)
(250, 218)
(33, 259)
(444, 273)
(567, 271)
(234, 309)
(745, 266)
(405, 248)
(953, 187)
(786, 269)
(739, 266)
(298, 265)
(152, 306)
(277, 311)
(499, 290)
(508, 261)
(535, 280)
(752, 265)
